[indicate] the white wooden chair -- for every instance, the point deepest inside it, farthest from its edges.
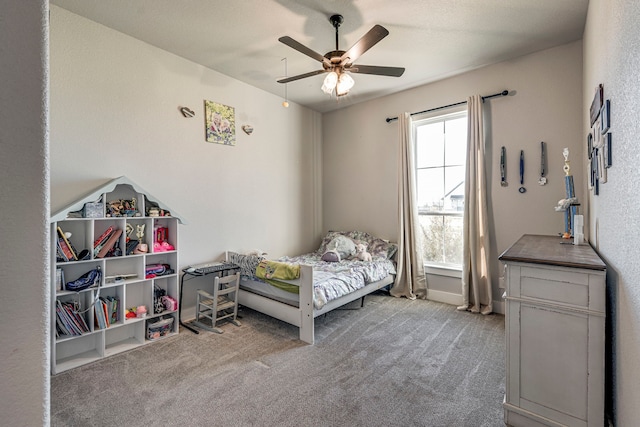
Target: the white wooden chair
(223, 304)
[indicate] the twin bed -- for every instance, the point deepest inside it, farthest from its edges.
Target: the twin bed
(321, 286)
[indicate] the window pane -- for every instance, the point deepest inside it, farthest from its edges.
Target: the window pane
(453, 239)
(454, 188)
(430, 188)
(456, 141)
(430, 145)
(441, 239)
(432, 228)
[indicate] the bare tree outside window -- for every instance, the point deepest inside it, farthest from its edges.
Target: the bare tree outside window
(441, 144)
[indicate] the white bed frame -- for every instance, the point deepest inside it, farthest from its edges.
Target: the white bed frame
(304, 315)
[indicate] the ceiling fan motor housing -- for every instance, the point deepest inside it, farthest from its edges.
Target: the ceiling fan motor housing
(334, 57)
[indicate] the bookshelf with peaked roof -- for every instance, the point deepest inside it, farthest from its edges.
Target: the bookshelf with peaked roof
(84, 238)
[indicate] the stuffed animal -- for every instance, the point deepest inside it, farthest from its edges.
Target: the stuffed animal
(343, 246)
(331, 256)
(361, 252)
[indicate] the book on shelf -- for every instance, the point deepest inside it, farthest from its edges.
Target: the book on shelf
(79, 320)
(113, 305)
(60, 256)
(68, 320)
(103, 237)
(60, 324)
(109, 244)
(64, 251)
(62, 314)
(104, 305)
(100, 321)
(59, 279)
(66, 247)
(60, 328)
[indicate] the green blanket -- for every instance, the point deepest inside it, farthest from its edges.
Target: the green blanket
(271, 271)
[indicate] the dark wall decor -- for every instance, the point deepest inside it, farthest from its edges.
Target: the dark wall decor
(599, 149)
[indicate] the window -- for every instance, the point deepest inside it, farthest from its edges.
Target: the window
(440, 150)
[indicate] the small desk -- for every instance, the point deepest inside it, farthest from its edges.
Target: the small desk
(224, 269)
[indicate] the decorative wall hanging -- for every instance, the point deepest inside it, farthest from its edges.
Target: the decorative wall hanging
(522, 189)
(220, 122)
(596, 104)
(607, 151)
(543, 163)
(248, 129)
(599, 148)
(605, 117)
(503, 167)
(188, 113)
(595, 183)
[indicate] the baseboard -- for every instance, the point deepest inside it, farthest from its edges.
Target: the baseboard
(445, 297)
(456, 299)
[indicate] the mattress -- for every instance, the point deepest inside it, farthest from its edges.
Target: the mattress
(257, 286)
(331, 280)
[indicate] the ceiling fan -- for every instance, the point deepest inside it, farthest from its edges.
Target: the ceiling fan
(338, 63)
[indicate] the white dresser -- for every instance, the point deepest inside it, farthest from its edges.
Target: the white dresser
(555, 333)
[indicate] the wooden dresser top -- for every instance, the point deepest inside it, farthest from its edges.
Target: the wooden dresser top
(553, 250)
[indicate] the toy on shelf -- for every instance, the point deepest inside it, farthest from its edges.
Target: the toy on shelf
(142, 248)
(121, 207)
(160, 243)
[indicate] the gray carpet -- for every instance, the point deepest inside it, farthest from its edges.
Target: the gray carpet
(394, 362)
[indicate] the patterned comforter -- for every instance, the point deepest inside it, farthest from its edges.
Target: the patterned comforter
(335, 279)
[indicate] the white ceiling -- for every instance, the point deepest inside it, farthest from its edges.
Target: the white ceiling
(432, 39)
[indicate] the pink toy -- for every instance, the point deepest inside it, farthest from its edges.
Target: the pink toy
(162, 247)
(141, 311)
(142, 248)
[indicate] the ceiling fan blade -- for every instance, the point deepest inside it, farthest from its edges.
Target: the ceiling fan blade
(303, 49)
(377, 33)
(373, 69)
(301, 76)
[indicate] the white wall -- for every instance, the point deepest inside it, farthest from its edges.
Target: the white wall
(612, 58)
(115, 111)
(360, 149)
(24, 192)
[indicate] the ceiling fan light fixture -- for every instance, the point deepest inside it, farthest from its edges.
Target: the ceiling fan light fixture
(330, 82)
(345, 83)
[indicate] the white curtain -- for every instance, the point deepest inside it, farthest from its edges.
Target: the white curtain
(410, 279)
(476, 275)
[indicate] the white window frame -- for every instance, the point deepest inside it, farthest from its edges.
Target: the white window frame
(444, 269)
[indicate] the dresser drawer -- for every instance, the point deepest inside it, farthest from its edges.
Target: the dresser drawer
(575, 288)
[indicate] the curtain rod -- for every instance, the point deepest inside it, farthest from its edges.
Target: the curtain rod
(503, 93)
